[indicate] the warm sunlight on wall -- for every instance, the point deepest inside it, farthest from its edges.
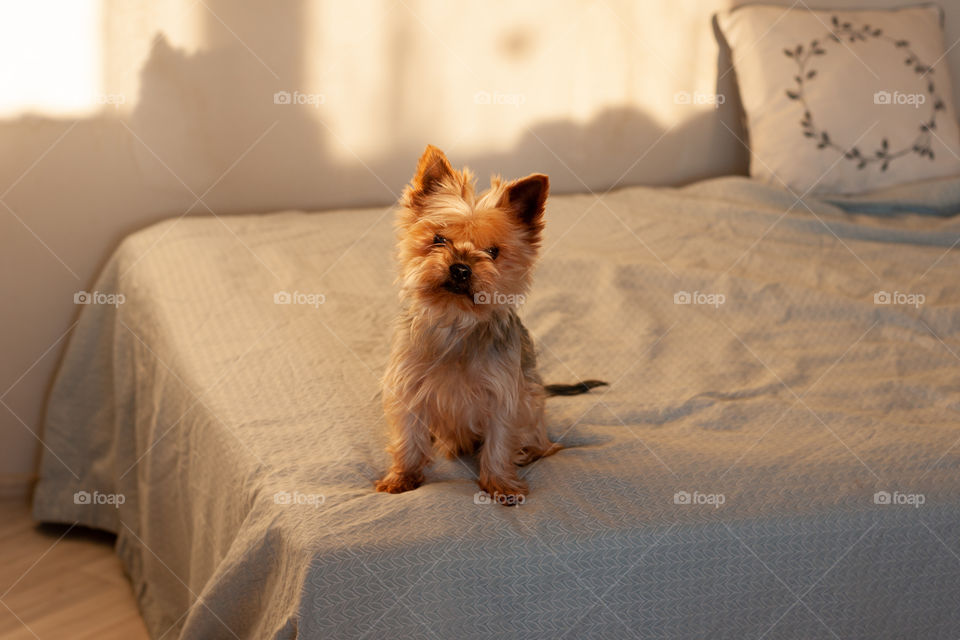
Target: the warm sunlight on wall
(73, 58)
(50, 57)
(479, 75)
(475, 75)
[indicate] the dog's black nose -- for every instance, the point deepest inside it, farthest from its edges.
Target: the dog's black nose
(459, 272)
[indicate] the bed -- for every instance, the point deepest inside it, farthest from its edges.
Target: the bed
(776, 455)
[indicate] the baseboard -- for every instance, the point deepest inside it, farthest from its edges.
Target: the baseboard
(16, 486)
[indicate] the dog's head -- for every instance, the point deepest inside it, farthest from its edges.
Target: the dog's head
(467, 252)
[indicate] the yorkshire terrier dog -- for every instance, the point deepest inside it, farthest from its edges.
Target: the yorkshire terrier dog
(463, 372)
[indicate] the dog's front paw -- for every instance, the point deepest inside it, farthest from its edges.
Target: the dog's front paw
(505, 491)
(398, 483)
(528, 454)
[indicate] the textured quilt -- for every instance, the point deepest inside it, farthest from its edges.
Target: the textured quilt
(776, 456)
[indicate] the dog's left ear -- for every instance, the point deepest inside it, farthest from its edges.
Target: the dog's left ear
(526, 198)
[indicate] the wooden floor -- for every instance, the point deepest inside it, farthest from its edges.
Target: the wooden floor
(72, 588)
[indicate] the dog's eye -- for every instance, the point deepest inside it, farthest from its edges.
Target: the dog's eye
(439, 239)
(494, 252)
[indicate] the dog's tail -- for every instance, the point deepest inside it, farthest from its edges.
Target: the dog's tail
(572, 389)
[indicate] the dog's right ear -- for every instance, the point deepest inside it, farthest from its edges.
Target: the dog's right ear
(432, 169)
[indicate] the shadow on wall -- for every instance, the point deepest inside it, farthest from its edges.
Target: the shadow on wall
(206, 136)
(200, 125)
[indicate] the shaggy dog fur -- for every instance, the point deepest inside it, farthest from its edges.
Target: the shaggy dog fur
(463, 372)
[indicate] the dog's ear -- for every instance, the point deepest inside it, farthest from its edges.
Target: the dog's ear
(525, 198)
(431, 171)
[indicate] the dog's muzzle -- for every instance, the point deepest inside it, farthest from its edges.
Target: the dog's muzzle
(459, 272)
(459, 281)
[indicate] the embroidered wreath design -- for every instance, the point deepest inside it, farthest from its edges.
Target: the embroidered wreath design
(838, 32)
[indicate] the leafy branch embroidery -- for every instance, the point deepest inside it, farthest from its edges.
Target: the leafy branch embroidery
(839, 32)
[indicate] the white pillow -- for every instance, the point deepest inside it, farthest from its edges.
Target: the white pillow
(841, 102)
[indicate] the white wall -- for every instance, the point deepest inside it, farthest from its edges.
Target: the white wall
(586, 93)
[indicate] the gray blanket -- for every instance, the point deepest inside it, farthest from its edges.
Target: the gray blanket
(776, 456)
